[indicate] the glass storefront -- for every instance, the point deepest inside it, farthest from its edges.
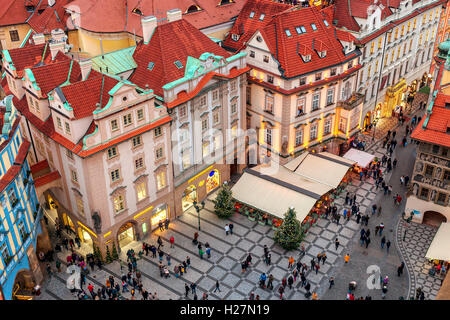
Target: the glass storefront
(189, 196)
(160, 213)
(212, 181)
(126, 234)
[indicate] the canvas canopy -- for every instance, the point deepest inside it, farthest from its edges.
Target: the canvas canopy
(440, 246)
(363, 159)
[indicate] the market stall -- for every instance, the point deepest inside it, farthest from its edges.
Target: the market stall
(363, 159)
(440, 246)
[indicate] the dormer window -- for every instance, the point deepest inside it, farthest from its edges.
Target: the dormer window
(178, 64)
(193, 8)
(288, 33)
(137, 11)
(150, 66)
(261, 17)
(326, 23)
(313, 26)
(252, 14)
(306, 58)
(322, 54)
(223, 2)
(300, 29)
(235, 37)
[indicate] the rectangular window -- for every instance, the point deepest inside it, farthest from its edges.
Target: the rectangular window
(205, 149)
(141, 191)
(330, 96)
(318, 76)
(266, 59)
(69, 154)
(215, 95)
(161, 180)
(14, 35)
(119, 204)
(300, 106)
(333, 72)
(112, 152)
(138, 163)
(233, 108)
(114, 125)
(74, 176)
(216, 118)
(302, 81)
(446, 175)
(315, 101)
(343, 125)
(327, 127)
(233, 85)
(288, 33)
(441, 198)
(252, 54)
(313, 26)
(268, 107)
(268, 136)
(182, 111)
(313, 132)
(127, 119)
(5, 253)
(158, 131)
(159, 153)
(205, 124)
(115, 175)
(140, 114)
(137, 141)
(22, 230)
(429, 171)
(298, 137)
(67, 127)
(269, 78)
(435, 149)
(80, 206)
(202, 101)
(186, 159)
(58, 123)
(424, 193)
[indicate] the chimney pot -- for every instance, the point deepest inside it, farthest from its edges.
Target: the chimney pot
(38, 38)
(85, 66)
(174, 15)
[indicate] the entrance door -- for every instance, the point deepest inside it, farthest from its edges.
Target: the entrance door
(126, 234)
(189, 196)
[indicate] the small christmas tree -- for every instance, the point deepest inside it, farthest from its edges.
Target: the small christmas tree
(223, 204)
(115, 254)
(289, 235)
(108, 256)
(98, 254)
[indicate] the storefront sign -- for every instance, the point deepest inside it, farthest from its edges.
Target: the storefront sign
(142, 212)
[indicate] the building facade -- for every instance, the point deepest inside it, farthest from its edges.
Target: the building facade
(20, 212)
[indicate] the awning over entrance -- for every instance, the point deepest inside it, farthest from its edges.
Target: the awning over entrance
(440, 246)
(363, 159)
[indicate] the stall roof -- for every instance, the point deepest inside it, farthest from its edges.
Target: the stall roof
(362, 158)
(270, 197)
(440, 246)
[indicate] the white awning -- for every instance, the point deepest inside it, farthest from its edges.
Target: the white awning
(440, 246)
(363, 159)
(270, 197)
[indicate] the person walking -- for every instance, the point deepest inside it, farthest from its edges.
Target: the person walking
(400, 269)
(383, 292)
(193, 288)
(290, 282)
(160, 243)
(336, 243)
(347, 258)
(217, 286)
(281, 291)
(160, 225)
(331, 281)
(379, 210)
(291, 262)
(201, 253)
(367, 241)
(172, 241)
(208, 251)
(231, 226)
(324, 257)
(186, 290)
(317, 267)
(381, 228)
(388, 245)
(383, 242)
(270, 282)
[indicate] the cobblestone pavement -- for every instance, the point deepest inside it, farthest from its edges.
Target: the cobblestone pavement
(417, 241)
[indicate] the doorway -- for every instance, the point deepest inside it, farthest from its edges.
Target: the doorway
(126, 234)
(189, 196)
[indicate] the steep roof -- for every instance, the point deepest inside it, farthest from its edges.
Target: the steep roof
(245, 26)
(54, 17)
(118, 15)
(436, 122)
(287, 49)
(117, 61)
(13, 12)
(185, 41)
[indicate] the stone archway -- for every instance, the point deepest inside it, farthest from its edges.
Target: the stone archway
(23, 285)
(433, 218)
(126, 234)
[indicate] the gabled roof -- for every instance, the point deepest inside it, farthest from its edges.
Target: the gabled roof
(13, 12)
(118, 16)
(345, 36)
(246, 26)
(185, 40)
(117, 61)
(83, 96)
(433, 127)
(284, 48)
(54, 17)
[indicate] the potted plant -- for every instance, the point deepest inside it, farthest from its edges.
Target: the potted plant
(261, 219)
(252, 216)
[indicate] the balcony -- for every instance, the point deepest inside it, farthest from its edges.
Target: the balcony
(355, 100)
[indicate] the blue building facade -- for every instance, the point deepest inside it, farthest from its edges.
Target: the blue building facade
(19, 211)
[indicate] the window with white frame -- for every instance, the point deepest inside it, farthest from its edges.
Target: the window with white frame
(140, 114)
(127, 119)
(182, 111)
(119, 203)
(215, 95)
(115, 175)
(313, 132)
(269, 78)
(67, 127)
(58, 123)
(300, 106)
(216, 118)
(141, 191)
(202, 101)
(159, 153)
(268, 136)
(139, 163)
(205, 124)
(186, 159)
(318, 76)
(268, 106)
(298, 137)
(233, 85)
(302, 81)
(327, 127)
(205, 149)
(112, 152)
(137, 141)
(346, 90)
(330, 96)
(315, 101)
(114, 125)
(333, 72)
(69, 154)
(5, 253)
(22, 230)
(343, 124)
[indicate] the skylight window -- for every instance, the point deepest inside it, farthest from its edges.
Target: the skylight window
(326, 23)
(252, 14)
(288, 33)
(300, 29)
(150, 66)
(261, 17)
(313, 26)
(178, 64)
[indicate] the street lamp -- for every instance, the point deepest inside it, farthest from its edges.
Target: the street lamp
(197, 208)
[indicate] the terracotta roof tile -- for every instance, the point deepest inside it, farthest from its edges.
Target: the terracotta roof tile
(54, 17)
(46, 178)
(246, 26)
(13, 12)
(185, 40)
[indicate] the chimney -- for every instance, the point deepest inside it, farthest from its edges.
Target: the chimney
(85, 66)
(51, 3)
(173, 15)
(148, 27)
(57, 42)
(38, 38)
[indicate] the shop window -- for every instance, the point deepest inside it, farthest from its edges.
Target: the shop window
(212, 181)
(159, 215)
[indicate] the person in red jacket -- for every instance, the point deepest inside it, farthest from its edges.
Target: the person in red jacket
(172, 241)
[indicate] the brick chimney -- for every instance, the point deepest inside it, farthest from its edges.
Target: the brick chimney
(38, 38)
(174, 15)
(57, 42)
(85, 66)
(148, 27)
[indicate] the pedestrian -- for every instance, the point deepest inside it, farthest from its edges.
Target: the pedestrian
(168, 258)
(193, 288)
(291, 262)
(313, 263)
(331, 281)
(319, 257)
(186, 290)
(295, 274)
(336, 243)
(231, 226)
(160, 243)
(347, 258)
(367, 241)
(377, 228)
(160, 225)
(217, 286)
(166, 224)
(281, 291)
(269, 259)
(317, 267)
(314, 296)
(374, 208)
(388, 244)
(383, 292)
(379, 210)
(406, 180)
(201, 253)
(172, 241)
(383, 241)
(290, 282)
(227, 229)
(208, 251)
(381, 228)
(58, 265)
(324, 257)
(347, 198)
(270, 282)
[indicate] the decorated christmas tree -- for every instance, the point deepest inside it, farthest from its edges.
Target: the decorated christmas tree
(289, 235)
(115, 255)
(108, 256)
(224, 204)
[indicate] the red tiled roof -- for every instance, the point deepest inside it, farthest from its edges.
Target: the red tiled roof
(50, 76)
(117, 16)
(246, 26)
(46, 178)
(345, 35)
(15, 168)
(13, 12)
(52, 18)
(284, 47)
(41, 165)
(170, 42)
(83, 96)
(438, 122)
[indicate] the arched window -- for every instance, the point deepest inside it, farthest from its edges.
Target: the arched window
(223, 2)
(137, 11)
(193, 8)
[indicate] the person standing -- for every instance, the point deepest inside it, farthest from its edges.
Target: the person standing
(367, 241)
(336, 243)
(186, 290)
(172, 241)
(227, 229)
(217, 286)
(270, 282)
(324, 257)
(166, 223)
(201, 253)
(193, 288)
(281, 291)
(383, 242)
(381, 228)
(291, 262)
(160, 225)
(231, 226)
(347, 258)
(331, 281)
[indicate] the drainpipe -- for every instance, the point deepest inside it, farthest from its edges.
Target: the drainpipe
(32, 141)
